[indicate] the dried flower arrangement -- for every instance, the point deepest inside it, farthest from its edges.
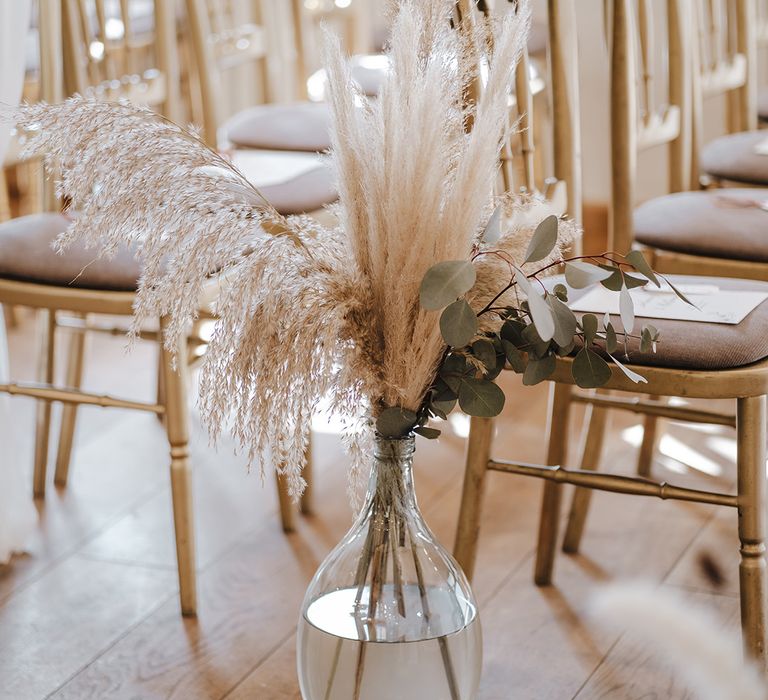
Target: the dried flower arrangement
(347, 312)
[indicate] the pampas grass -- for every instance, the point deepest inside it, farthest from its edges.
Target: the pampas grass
(705, 656)
(304, 311)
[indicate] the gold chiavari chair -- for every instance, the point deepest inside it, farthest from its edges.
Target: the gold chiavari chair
(32, 275)
(221, 42)
(695, 360)
(728, 66)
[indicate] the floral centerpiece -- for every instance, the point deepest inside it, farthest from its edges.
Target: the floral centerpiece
(414, 302)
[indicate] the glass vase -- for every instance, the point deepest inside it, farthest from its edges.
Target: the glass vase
(389, 613)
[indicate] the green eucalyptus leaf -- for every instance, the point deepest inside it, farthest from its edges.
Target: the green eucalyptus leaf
(619, 279)
(445, 407)
(534, 345)
(611, 344)
(680, 295)
(492, 231)
(484, 350)
(445, 282)
(543, 241)
(512, 331)
(565, 321)
(395, 422)
(538, 370)
(638, 261)
(515, 358)
(580, 274)
(646, 341)
(589, 326)
(542, 315)
(634, 376)
(481, 398)
(429, 433)
(444, 392)
(590, 370)
(561, 292)
(458, 324)
(626, 310)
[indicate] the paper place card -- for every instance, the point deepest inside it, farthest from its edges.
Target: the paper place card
(266, 168)
(714, 305)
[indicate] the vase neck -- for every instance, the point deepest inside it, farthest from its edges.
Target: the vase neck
(392, 470)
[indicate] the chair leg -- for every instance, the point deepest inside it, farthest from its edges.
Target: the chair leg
(47, 327)
(549, 523)
(468, 528)
(287, 507)
(74, 378)
(160, 385)
(647, 446)
(595, 420)
(751, 435)
(306, 497)
(177, 428)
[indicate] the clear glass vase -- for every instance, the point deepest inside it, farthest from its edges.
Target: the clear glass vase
(389, 613)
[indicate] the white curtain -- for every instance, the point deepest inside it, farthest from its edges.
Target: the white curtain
(17, 513)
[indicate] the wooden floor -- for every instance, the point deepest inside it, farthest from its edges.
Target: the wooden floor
(92, 611)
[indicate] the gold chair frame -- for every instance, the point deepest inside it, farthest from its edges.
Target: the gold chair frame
(747, 385)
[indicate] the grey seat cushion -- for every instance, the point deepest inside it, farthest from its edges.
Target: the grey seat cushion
(26, 255)
(733, 157)
(301, 126)
(303, 194)
(706, 223)
(705, 346)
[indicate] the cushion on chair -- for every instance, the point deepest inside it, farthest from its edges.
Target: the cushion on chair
(706, 223)
(704, 346)
(302, 126)
(26, 255)
(303, 194)
(733, 157)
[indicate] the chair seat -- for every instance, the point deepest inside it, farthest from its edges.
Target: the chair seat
(26, 255)
(733, 157)
(300, 126)
(694, 345)
(303, 194)
(709, 223)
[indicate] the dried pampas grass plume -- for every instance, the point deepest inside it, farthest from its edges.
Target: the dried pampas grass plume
(705, 656)
(304, 312)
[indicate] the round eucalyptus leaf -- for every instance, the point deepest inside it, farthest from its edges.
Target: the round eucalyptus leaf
(484, 351)
(515, 358)
(626, 310)
(565, 321)
(395, 422)
(590, 370)
(458, 324)
(633, 376)
(538, 370)
(589, 326)
(446, 282)
(445, 407)
(543, 240)
(638, 261)
(611, 344)
(580, 274)
(492, 231)
(541, 314)
(480, 398)
(429, 433)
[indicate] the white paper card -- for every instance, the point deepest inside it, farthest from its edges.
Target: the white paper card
(265, 168)
(714, 305)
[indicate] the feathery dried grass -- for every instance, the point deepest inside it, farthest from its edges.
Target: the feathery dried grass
(304, 311)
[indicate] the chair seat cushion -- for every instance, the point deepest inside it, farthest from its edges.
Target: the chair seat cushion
(716, 223)
(733, 157)
(26, 254)
(303, 194)
(696, 345)
(300, 126)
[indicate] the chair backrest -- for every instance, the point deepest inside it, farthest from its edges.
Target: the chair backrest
(221, 40)
(637, 122)
(118, 49)
(562, 185)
